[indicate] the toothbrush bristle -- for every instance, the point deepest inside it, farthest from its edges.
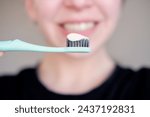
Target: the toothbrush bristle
(77, 40)
(80, 43)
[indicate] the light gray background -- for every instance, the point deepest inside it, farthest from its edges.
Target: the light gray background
(130, 44)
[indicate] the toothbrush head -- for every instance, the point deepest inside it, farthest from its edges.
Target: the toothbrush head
(77, 40)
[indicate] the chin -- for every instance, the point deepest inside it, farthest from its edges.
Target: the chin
(94, 51)
(77, 55)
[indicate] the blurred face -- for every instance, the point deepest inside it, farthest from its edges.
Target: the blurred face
(93, 18)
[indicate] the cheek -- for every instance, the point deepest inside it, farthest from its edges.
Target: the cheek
(110, 8)
(47, 9)
(46, 14)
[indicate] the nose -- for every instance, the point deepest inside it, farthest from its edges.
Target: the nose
(78, 4)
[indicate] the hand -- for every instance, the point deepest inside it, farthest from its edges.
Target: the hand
(1, 54)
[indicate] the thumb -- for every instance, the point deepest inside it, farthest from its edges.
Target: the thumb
(1, 54)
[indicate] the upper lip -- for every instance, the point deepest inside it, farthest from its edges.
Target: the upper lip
(77, 20)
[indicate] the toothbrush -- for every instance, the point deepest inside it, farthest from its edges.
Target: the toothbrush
(76, 43)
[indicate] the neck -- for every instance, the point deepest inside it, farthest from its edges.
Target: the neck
(65, 75)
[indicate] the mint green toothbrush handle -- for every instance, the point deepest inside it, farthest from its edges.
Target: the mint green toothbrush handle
(18, 45)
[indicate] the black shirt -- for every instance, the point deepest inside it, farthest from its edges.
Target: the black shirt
(123, 84)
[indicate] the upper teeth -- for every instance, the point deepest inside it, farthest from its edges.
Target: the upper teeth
(79, 26)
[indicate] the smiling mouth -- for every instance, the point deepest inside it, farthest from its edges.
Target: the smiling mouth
(79, 27)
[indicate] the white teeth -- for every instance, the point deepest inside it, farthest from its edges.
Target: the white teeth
(78, 26)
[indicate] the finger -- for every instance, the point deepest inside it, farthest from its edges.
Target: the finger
(1, 53)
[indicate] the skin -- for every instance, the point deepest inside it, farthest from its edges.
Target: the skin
(75, 74)
(49, 14)
(1, 53)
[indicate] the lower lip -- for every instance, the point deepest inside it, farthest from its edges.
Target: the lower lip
(87, 32)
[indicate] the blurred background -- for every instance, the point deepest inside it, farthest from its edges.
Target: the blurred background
(129, 46)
